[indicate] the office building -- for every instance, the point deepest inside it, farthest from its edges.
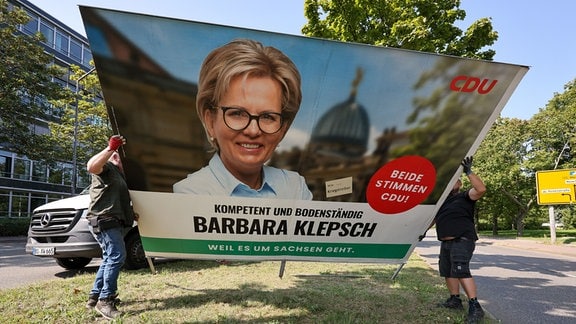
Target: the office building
(24, 183)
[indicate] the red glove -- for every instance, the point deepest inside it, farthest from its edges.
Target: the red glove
(115, 142)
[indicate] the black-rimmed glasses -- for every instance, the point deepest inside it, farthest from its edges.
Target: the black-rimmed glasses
(238, 119)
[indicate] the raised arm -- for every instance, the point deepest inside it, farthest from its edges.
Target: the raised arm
(478, 188)
(96, 163)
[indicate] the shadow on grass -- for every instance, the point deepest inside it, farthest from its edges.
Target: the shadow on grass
(367, 295)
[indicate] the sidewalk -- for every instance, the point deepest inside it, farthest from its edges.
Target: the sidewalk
(528, 244)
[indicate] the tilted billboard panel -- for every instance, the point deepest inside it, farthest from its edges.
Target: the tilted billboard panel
(378, 138)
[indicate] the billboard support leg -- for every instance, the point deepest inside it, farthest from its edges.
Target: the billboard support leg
(151, 265)
(398, 270)
(282, 267)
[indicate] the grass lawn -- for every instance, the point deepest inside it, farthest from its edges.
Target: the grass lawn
(193, 291)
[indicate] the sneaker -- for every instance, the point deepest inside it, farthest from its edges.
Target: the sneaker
(453, 303)
(93, 300)
(475, 312)
(107, 308)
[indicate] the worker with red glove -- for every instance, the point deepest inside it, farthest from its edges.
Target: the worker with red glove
(109, 213)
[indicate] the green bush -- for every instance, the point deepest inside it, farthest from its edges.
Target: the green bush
(10, 226)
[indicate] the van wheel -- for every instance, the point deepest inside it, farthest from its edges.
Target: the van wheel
(73, 263)
(135, 258)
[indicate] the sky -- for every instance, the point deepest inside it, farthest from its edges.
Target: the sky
(537, 34)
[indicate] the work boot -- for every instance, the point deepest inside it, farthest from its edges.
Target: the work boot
(454, 302)
(93, 300)
(475, 312)
(107, 308)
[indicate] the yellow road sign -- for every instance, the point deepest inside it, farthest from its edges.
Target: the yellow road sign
(556, 187)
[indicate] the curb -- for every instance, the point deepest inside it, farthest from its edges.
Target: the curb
(13, 239)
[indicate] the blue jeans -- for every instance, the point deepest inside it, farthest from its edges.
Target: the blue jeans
(113, 255)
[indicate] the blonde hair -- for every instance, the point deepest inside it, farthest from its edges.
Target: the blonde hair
(245, 57)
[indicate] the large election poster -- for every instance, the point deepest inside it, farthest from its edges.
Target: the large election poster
(378, 138)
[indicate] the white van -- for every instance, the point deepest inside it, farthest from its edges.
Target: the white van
(60, 230)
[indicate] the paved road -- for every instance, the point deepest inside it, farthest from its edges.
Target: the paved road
(520, 283)
(18, 269)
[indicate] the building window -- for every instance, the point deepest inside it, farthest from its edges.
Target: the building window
(5, 166)
(20, 207)
(61, 43)
(56, 174)
(21, 169)
(31, 27)
(83, 178)
(76, 51)
(39, 129)
(87, 57)
(39, 171)
(48, 31)
(61, 82)
(67, 175)
(4, 203)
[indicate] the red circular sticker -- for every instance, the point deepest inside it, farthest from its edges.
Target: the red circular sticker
(401, 184)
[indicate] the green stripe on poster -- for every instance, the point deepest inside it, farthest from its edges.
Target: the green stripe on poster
(252, 248)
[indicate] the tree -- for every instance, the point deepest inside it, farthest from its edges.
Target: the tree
(514, 150)
(93, 126)
(421, 25)
(553, 128)
(500, 160)
(26, 87)
(553, 135)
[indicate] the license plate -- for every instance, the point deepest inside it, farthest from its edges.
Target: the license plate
(43, 251)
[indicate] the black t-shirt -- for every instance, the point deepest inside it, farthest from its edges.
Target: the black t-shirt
(110, 196)
(455, 218)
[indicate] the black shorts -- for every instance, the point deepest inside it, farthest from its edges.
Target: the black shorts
(455, 258)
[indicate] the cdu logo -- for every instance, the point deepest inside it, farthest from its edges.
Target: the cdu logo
(463, 83)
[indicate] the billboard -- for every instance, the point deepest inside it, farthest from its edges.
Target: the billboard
(378, 139)
(556, 187)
